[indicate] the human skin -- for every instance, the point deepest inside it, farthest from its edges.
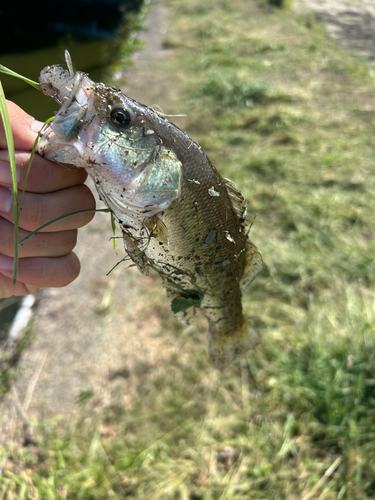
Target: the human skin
(46, 259)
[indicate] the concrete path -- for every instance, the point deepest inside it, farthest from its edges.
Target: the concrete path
(351, 23)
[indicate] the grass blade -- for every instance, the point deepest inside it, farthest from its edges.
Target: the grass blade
(60, 218)
(9, 138)
(113, 224)
(9, 72)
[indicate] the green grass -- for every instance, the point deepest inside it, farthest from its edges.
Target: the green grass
(9, 138)
(288, 116)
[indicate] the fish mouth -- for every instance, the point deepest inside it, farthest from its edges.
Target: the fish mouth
(73, 98)
(60, 141)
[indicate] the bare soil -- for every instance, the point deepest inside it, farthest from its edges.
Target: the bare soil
(351, 23)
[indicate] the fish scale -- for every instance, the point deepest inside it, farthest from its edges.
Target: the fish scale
(177, 214)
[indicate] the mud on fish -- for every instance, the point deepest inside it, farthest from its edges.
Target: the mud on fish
(177, 214)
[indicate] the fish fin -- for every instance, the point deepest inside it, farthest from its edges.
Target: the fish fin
(238, 201)
(254, 263)
(157, 229)
(223, 348)
(186, 317)
(254, 260)
(137, 256)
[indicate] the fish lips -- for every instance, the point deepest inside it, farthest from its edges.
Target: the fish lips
(60, 139)
(57, 82)
(73, 94)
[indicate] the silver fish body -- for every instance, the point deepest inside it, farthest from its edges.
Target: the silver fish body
(177, 214)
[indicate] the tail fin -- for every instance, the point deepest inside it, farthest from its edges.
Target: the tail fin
(223, 348)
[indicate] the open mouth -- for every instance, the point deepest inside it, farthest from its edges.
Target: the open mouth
(64, 138)
(71, 91)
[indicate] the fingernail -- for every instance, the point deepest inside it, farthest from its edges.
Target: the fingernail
(36, 125)
(6, 264)
(6, 198)
(5, 173)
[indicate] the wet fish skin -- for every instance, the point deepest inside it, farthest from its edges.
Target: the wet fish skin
(177, 214)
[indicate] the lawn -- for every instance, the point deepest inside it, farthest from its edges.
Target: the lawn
(288, 116)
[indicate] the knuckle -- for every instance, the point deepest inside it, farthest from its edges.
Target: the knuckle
(70, 239)
(72, 269)
(64, 242)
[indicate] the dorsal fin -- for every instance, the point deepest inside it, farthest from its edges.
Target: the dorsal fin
(238, 201)
(254, 260)
(254, 263)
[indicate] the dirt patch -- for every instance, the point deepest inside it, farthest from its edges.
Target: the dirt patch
(351, 23)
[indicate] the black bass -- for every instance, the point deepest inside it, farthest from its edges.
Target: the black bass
(177, 214)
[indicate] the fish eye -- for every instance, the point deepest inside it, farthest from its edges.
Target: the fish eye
(120, 117)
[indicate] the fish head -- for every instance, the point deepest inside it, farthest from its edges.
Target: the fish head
(115, 139)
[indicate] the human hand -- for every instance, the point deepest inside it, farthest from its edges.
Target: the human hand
(46, 259)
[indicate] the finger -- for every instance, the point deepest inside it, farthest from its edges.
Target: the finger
(7, 289)
(39, 209)
(22, 128)
(44, 175)
(39, 245)
(43, 271)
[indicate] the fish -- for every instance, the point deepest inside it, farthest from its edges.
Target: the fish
(177, 214)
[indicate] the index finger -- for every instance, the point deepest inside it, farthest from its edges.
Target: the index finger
(24, 128)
